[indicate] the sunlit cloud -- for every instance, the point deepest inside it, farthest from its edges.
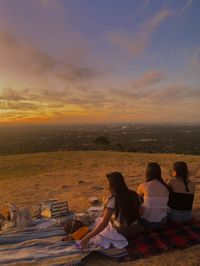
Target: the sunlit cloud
(66, 71)
(143, 95)
(18, 105)
(11, 94)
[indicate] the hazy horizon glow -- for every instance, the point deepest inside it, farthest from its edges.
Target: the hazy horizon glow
(96, 61)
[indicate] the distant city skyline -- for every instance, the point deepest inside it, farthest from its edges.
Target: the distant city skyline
(99, 61)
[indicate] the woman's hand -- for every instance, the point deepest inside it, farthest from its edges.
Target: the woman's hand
(84, 242)
(99, 227)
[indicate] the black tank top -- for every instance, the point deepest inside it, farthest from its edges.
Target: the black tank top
(180, 201)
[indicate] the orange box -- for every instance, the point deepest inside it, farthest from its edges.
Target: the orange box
(5, 212)
(80, 233)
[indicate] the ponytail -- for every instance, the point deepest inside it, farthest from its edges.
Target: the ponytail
(182, 172)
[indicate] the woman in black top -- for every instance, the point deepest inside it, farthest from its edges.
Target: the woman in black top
(181, 193)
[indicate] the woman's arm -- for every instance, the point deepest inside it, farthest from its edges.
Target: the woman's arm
(100, 227)
(140, 191)
(169, 182)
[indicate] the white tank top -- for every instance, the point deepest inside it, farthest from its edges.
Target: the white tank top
(155, 208)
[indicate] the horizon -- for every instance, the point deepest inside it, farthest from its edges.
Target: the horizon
(124, 123)
(99, 62)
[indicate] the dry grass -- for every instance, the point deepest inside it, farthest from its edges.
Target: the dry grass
(28, 179)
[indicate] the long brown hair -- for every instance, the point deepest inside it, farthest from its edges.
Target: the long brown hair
(126, 201)
(182, 172)
(153, 172)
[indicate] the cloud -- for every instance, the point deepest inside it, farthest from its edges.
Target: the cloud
(144, 96)
(107, 104)
(140, 88)
(146, 3)
(54, 99)
(192, 71)
(195, 59)
(51, 74)
(12, 105)
(23, 59)
(148, 79)
(70, 72)
(175, 93)
(26, 94)
(188, 4)
(11, 94)
(50, 4)
(171, 92)
(137, 43)
(184, 8)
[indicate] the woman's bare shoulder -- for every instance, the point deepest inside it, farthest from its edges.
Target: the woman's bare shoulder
(171, 181)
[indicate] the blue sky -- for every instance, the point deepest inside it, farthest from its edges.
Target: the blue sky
(92, 61)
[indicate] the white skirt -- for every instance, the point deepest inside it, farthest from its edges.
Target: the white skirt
(108, 238)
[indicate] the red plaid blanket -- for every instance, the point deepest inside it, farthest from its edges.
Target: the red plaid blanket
(156, 241)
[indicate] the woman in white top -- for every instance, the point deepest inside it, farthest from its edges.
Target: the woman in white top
(154, 194)
(121, 212)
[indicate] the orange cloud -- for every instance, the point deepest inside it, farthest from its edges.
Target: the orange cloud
(39, 87)
(142, 96)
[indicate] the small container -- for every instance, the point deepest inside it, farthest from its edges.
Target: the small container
(79, 234)
(94, 201)
(95, 212)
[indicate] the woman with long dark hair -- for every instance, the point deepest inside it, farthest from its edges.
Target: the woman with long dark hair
(121, 212)
(154, 194)
(181, 193)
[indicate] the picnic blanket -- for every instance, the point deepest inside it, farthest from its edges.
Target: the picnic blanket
(34, 246)
(38, 246)
(156, 241)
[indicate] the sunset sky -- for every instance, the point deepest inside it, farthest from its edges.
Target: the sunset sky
(94, 61)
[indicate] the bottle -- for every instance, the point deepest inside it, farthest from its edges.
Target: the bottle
(79, 234)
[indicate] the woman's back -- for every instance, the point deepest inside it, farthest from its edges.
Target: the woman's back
(180, 199)
(154, 194)
(155, 199)
(177, 185)
(181, 193)
(154, 189)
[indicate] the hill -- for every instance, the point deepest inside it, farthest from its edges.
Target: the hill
(27, 179)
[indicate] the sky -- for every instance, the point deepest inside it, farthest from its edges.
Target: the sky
(99, 61)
